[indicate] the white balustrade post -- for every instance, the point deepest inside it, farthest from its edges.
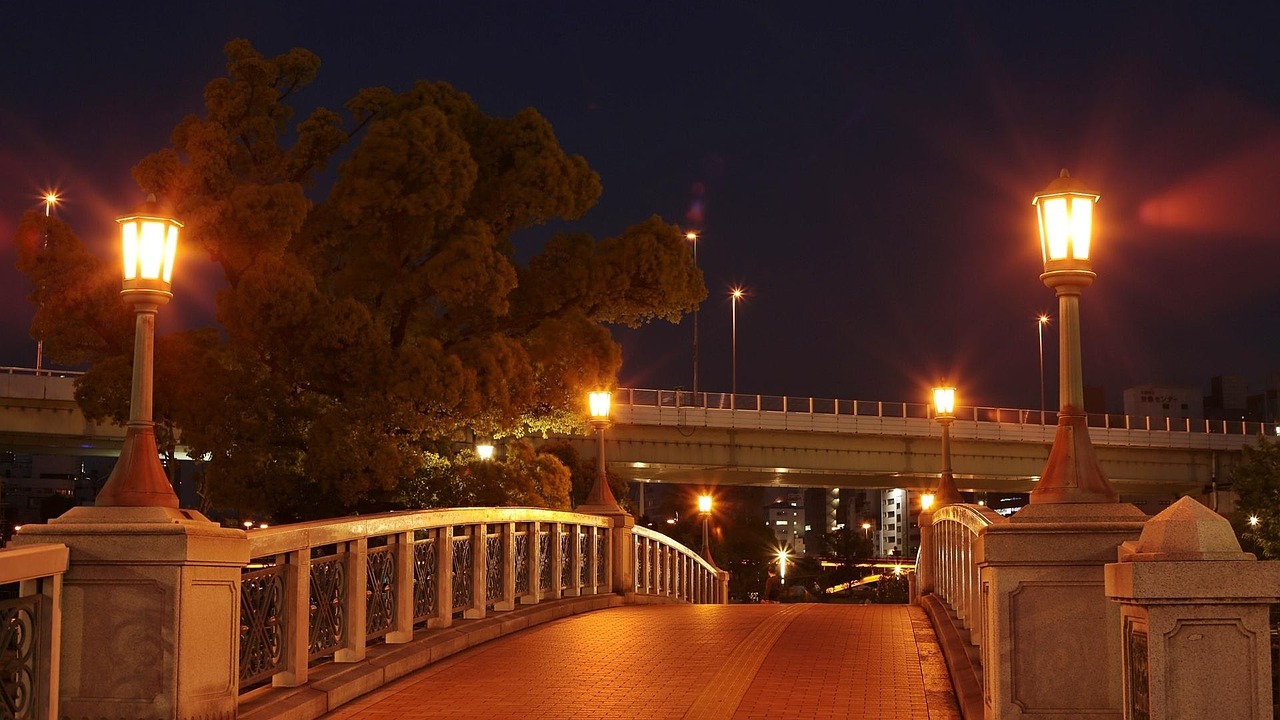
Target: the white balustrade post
(479, 533)
(508, 601)
(534, 565)
(557, 560)
(356, 561)
(444, 578)
(402, 627)
(296, 607)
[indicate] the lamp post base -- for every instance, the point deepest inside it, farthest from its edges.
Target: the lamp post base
(138, 479)
(1072, 473)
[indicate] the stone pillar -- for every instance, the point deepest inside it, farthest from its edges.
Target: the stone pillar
(1193, 619)
(1050, 645)
(622, 548)
(926, 571)
(722, 583)
(151, 612)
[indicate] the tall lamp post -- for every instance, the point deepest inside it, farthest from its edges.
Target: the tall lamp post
(601, 496)
(149, 241)
(1072, 473)
(692, 237)
(1041, 321)
(704, 509)
(944, 411)
(734, 296)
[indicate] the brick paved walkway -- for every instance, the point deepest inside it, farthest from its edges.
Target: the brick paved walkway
(879, 662)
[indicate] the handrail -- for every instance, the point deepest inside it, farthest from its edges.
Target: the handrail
(728, 402)
(329, 588)
(666, 567)
(954, 573)
(34, 618)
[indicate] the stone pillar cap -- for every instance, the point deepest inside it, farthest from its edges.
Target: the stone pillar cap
(1186, 530)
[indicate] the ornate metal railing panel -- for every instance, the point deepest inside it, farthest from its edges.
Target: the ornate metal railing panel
(261, 624)
(463, 567)
(584, 557)
(602, 558)
(328, 627)
(20, 678)
(495, 568)
(665, 567)
(522, 562)
(544, 561)
(424, 580)
(380, 592)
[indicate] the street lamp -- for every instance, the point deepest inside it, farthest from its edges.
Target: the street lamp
(1041, 321)
(601, 496)
(484, 450)
(149, 241)
(735, 295)
(1254, 520)
(866, 530)
(692, 237)
(782, 564)
(1065, 212)
(944, 411)
(704, 508)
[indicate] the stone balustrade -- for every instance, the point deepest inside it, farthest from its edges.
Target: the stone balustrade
(31, 630)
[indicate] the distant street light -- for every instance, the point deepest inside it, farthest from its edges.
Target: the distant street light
(866, 530)
(149, 241)
(1254, 520)
(735, 295)
(704, 509)
(1041, 321)
(692, 237)
(1072, 473)
(484, 450)
(601, 496)
(50, 201)
(782, 564)
(944, 411)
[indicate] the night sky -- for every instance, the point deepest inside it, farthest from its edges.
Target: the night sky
(863, 169)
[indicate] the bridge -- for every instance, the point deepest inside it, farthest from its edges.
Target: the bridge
(668, 436)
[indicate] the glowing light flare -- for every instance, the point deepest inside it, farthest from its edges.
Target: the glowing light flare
(944, 401)
(737, 293)
(1065, 215)
(704, 503)
(1043, 319)
(50, 199)
(691, 236)
(484, 450)
(783, 555)
(926, 501)
(1254, 520)
(599, 402)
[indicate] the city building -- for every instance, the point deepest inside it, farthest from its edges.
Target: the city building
(1177, 402)
(786, 519)
(898, 533)
(1228, 398)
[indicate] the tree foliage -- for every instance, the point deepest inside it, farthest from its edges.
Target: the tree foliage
(1256, 479)
(375, 305)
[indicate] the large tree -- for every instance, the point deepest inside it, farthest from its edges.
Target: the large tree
(372, 311)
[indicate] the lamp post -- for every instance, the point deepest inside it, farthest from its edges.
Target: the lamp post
(866, 530)
(149, 240)
(735, 295)
(692, 237)
(1072, 473)
(944, 411)
(601, 496)
(704, 509)
(1041, 321)
(50, 202)
(782, 564)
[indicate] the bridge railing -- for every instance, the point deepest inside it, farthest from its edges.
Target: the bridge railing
(31, 619)
(1047, 419)
(665, 567)
(954, 571)
(327, 589)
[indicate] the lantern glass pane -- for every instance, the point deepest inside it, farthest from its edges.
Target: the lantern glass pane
(1081, 227)
(599, 404)
(151, 249)
(1057, 228)
(129, 247)
(170, 250)
(944, 400)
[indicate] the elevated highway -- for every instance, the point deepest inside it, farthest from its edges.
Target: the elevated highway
(674, 437)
